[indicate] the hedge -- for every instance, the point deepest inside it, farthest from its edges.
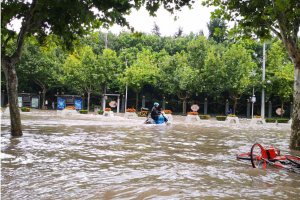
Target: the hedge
(24, 109)
(221, 118)
(83, 111)
(282, 120)
(100, 112)
(204, 116)
(270, 120)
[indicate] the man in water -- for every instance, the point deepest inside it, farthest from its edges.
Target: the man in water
(155, 112)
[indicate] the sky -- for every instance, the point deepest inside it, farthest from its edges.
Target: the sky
(191, 20)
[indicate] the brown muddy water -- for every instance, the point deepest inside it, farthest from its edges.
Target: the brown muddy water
(96, 157)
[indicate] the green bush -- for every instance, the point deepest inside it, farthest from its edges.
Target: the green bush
(270, 120)
(204, 116)
(282, 120)
(83, 111)
(139, 114)
(100, 112)
(221, 118)
(24, 109)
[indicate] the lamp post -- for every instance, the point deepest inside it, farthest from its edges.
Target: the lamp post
(253, 100)
(263, 89)
(126, 83)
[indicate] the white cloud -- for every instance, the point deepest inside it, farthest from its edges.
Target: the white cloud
(190, 20)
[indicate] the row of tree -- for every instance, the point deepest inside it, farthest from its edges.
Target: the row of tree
(77, 18)
(179, 67)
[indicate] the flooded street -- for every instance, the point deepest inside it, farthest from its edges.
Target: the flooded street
(96, 157)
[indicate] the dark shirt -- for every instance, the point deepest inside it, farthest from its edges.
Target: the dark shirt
(155, 113)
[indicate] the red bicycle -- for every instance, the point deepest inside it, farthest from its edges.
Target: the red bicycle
(260, 157)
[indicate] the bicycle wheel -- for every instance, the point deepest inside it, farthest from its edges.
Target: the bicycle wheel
(294, 160)
(258, 157)
(245, 156)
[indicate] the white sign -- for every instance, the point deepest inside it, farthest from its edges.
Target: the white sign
(20, 102)
(113, 104)
(195, 107)
(278, 111)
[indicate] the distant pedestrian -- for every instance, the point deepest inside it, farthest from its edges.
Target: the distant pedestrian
(46, 104)
(53, 105)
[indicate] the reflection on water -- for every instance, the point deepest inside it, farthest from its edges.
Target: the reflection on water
(95, 157)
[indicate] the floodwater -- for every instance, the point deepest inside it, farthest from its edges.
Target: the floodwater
(96, 157)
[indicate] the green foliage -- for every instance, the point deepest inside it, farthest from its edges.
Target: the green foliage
(270, 120)
(217, 28)
(282, 120)
(83, 111)
(221, 118)
(100, 112)
(177, 76)
(143, 72)
(204, 116)
(259, 16)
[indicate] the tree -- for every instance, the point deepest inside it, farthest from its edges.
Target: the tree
(216, 29)
(280, 71)
(140, 73)
(178, 77)
(261, 17)
(82, 72)
(230, 71)
(179, 33)
(41, 64)
(156, 30)
(62, 18)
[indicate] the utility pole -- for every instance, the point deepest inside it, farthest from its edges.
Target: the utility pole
(104, 87)
(263, 89)
(126, 87)
(126, 60)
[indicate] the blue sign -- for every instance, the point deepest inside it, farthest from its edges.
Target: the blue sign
(78, 104)
(61, 103)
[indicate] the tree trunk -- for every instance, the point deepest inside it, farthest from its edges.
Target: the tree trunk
(44, 98)
(137, 101)
(12, 92)
(234, 105)
(88, 106)
(295, 133)
(183, 105)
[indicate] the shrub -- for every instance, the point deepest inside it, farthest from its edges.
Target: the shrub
(270, 120)
(192, 113)
(167, 111)
(24, 109)
(230, 115)
(204, 116)
(83, 111)
(139, 114)
(256, 116)
(221, 118)
(70, 108)
(107, 109)
(100, 112)
(130, 110)
(282, 120)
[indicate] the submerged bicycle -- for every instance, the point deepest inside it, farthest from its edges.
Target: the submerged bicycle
(261, 157)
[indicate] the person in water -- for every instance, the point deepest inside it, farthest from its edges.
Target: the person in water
(155, 113)
(229, 112)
